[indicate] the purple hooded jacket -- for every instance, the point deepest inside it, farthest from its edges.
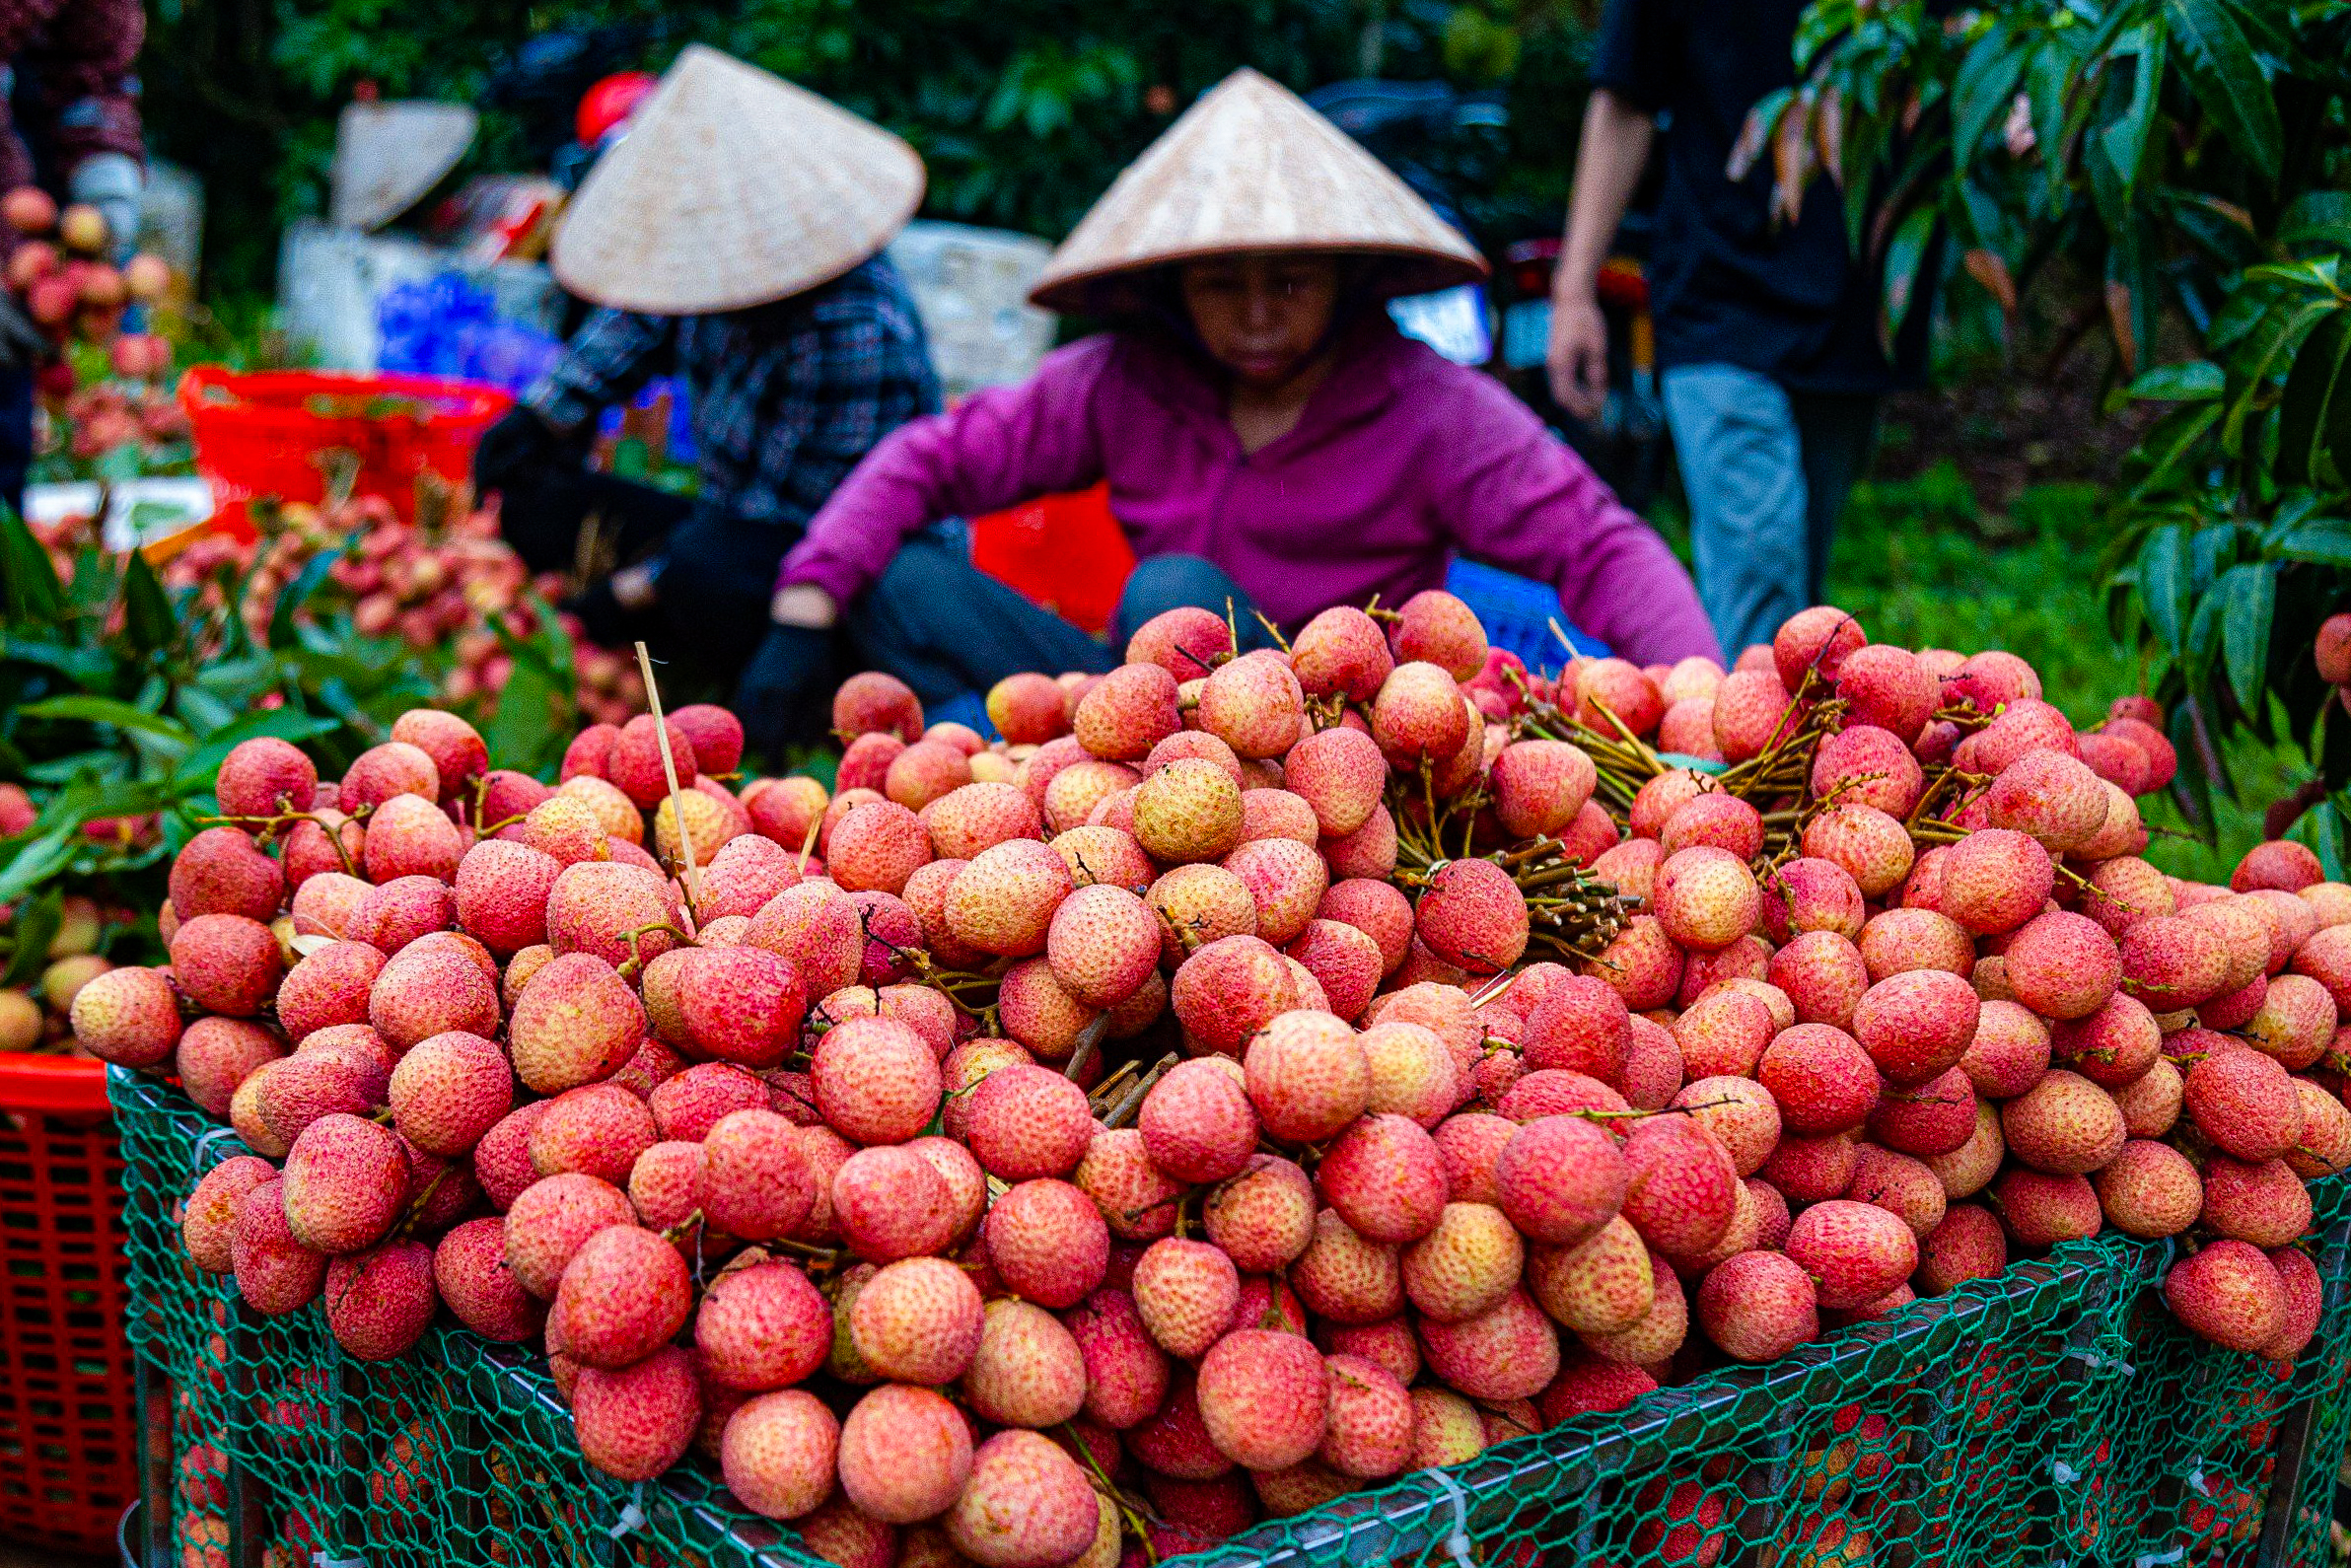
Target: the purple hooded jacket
(1399, 460)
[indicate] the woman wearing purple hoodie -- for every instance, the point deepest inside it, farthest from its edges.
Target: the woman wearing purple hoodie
(1268, 436)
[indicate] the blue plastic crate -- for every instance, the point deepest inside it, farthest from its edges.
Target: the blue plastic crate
(1518, 612)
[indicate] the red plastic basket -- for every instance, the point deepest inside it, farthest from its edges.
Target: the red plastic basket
(69, 1446)
(263, 434)
(1065, 552)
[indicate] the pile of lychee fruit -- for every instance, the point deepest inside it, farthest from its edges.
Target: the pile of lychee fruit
(1252, 1077)
(445, 590)
(57, 269)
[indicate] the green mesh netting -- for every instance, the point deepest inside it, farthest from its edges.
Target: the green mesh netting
(2052, 1415)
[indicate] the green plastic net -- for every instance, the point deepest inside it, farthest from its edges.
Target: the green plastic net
(2052, 1415)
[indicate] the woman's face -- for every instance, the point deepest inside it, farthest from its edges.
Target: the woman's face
(1261, 316)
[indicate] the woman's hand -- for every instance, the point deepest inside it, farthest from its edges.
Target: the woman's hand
(803, 604)
(1578, 355)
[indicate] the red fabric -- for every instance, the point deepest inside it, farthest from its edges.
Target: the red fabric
(66, 53)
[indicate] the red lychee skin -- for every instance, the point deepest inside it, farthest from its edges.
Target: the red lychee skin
(1823, 974)
(904, 1455)
(1028, 1370)
(1137, 1199)
(576, 1022)
(2266, 1204)
(1855, 1253)
(917, 1321)
(257, 774)
(1025, 1121)
(1721, 821)
(1253, 704)
(1758, 1306)
(1815, 641)
(226, 964)
(1126, 1373)
(1557, 1092)
(1418, 715)
(2113, 1046)
(1900, 941)
(1931, 1119)
(1916, 1025)
(220, 872)
(549, 1220)
(1385, 1177)
(759, 1186)
(635, 764)
(1465, 1265)
(1821, 1077)
(1375, 908)
(343, 1184)
(1263, 1398)
(1579, 1024)
(1346, 1278)
(1681, 1190)
(2278, 863)
(1184, 642)
(1286, 881)
(1995, 879)
(1344, 961)
(380, 772)
(2043, 1210)
(1197, 1122)
(1967, 1245)
(1370, 1422)
(275, 1273)
(1048, 1242)
(1887, 686)
(889, 1202)
(2246, 1103)
(2295, 1022)
(762, 1326)
(689, 1104)
(1871, 766)
(743, 875)
(1186, 1294)
(1341, 653)
(1263, 1218)
(1587, 1384)
(1560, 1179)
(778, 1454)
(2170, 962)
(1740, 1116)
(924, 772)
(1722, 1034)
(1228, 989)
(594, 902)
(624, 1293)
(2151, 1191)
(449, 1091)
(876, 1081)
(666, 1186)
(470, 1273)
(2230, 1294)
(127, 1016)
(1539, 786)
(209, 1221)
(411, 836)
(1509, 1352)
(598, 1129)
(871, 702)
(636, 1423)
(502, 1158)
(1027, 1505)
(2064, 1125)
(2304, 1295)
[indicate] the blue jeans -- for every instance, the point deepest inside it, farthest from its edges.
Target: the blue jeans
(1767, 471)
(948, 629)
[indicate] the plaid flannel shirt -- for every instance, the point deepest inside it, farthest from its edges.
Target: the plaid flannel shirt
(784, 398)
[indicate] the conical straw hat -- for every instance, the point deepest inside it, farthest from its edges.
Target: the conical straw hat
(732, 187)
(387, 154)
(1250, 167)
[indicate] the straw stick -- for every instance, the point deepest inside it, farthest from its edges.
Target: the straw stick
(660, 730)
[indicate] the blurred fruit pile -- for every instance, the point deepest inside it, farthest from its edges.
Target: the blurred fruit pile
(447, 585)
(1253, 1077)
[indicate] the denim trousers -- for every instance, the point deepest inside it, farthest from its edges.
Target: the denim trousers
(948, 629)
(1766, 469)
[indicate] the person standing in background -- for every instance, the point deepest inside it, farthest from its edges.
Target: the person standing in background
(1766, 329)
(69, 122)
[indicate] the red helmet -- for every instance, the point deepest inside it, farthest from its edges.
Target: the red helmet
(610, 104)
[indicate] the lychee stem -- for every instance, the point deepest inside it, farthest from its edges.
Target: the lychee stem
(1088, 1038)
(635, 964)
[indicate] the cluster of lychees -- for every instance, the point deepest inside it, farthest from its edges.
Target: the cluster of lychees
(1256, 1076)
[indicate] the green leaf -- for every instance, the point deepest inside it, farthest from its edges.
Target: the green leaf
(2163, 586)
(2248, 597)
(2197, 381)
(2228, 80)
(526, 722)
(107, 710)
(2317, 218)
(36, 927)
(286, 724)
(30, 592)
(297, 593)
(2315, 385)
(1905, 261)
(147, 618)
(38, 861)
(2322, 542)
(1982, 91)
(2322, 830)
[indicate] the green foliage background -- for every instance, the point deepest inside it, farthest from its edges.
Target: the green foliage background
(1022, 108)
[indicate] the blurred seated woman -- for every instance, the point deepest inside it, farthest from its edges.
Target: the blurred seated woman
(1269, 438)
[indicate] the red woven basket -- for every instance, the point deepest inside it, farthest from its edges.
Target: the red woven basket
(263, 433)
(68, 1426)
